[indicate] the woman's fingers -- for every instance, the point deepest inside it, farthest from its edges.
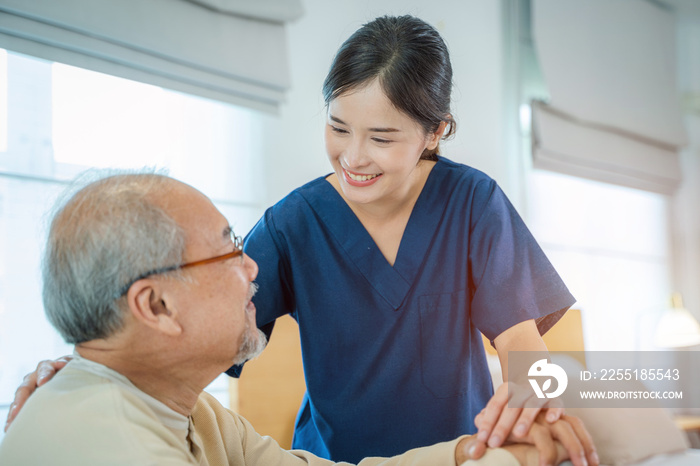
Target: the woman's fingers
(490, 414)
(44, 372)
(47, 369)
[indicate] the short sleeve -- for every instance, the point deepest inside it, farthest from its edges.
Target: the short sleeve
(513, 280)
(274, 298)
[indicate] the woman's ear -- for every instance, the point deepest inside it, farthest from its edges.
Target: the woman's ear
(149, 306)
(434, 138)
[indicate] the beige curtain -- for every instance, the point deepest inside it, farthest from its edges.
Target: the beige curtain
(218, 49)
(614, 112)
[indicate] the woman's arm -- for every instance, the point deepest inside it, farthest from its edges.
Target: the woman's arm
(520, 337)
(498, 421)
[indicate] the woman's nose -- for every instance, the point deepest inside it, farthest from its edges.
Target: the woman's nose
(354, 154)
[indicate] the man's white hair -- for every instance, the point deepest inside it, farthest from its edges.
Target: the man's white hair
(101, 238)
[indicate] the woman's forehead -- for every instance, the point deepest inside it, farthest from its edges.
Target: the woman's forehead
(368, 106)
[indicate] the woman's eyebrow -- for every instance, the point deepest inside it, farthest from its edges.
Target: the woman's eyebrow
(336, 119)
(385, 130)
(374, 130)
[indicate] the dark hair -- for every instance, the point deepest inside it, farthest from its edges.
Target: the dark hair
(412, 63)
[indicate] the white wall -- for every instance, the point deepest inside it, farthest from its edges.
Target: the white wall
(472, 30)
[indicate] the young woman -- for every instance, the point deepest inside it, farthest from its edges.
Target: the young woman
(394, 263)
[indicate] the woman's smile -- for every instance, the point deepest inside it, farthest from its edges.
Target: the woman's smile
(359, 179)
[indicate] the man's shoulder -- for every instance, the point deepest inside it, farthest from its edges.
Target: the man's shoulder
(71, 389)
(83, 392)
(73, 414)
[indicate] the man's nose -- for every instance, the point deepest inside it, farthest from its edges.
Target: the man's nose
(251, 267)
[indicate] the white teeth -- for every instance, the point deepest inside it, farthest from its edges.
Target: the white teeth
(360, 177)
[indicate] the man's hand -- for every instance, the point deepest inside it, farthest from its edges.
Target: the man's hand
(569, 431)
(527, 455)
(44, 372)
(469, 448)
(499, 422)
(545, 444)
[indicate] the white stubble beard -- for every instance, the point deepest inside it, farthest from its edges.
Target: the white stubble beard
(254, 340)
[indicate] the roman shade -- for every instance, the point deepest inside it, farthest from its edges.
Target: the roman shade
(614, 112)
(227, 50)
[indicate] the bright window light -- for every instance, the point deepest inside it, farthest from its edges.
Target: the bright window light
(126, 120)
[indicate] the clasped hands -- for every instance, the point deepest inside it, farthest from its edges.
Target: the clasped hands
(537, 433)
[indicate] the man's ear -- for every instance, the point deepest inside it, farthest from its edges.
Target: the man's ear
(149, 306)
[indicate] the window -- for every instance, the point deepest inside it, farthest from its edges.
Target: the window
(610, 243)
(611, 246)
(57, 121)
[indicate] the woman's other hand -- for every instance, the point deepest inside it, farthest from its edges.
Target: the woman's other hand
(541, 449)
(497, 421)
(569, 431)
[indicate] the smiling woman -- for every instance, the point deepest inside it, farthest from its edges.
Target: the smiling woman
(62, 120)
(411, 254)
(377, 154)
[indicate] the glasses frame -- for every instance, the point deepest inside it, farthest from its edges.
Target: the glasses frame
(237, 251)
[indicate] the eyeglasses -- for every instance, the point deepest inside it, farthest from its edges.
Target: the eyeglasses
(237, 251)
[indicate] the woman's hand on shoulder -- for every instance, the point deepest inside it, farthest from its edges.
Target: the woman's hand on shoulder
(44, 372)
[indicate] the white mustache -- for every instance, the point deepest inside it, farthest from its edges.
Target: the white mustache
(252, 289)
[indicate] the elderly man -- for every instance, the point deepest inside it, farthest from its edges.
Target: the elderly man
(144, 275)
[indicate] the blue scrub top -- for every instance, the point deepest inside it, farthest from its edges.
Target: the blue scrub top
(392, 356)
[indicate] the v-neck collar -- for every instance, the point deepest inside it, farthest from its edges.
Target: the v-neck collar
(392, 282)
